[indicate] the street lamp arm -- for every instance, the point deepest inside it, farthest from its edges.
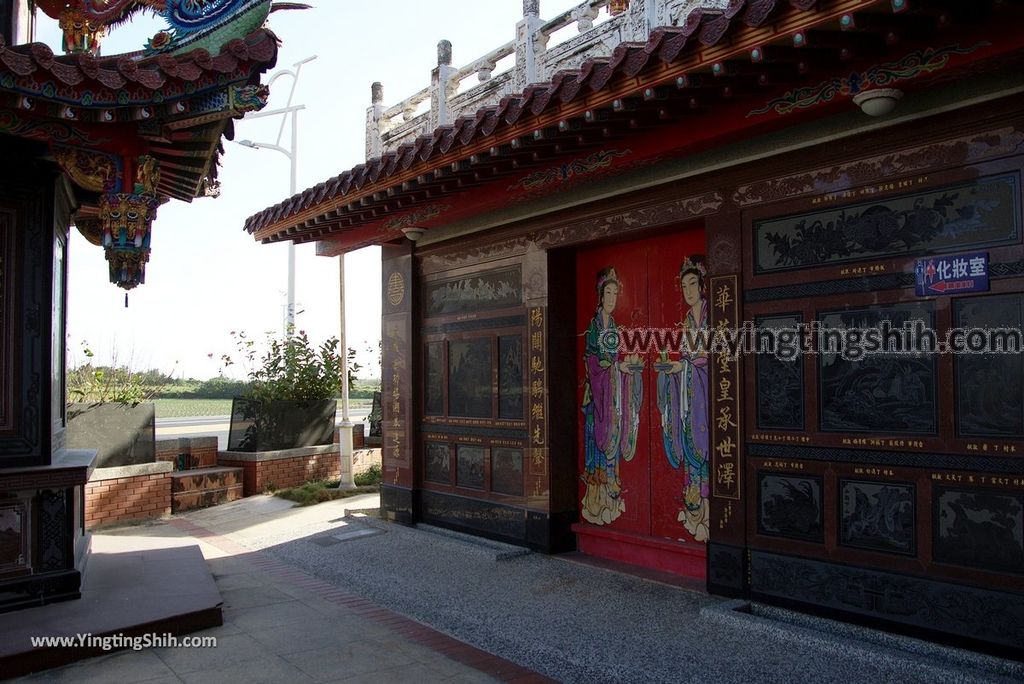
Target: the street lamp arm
(265, 146)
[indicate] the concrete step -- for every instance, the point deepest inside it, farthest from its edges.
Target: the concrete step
(204, 487)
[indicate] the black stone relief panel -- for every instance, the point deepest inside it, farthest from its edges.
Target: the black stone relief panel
(990, 387)
(433, 379)
(13, 536)
(501, 289)
(968, 463)
(780, 377)
(510, 376)
(470, 466)
(979, 528)
(991, 616)
(482, 516)
(507, 471)
(53, 531)
(790, 506)
(469, 378)
(979, 213)
(725, 566)
(876, 392)
(437, 463)
(878, 516)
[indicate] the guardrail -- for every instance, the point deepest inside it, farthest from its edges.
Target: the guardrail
(600, 24)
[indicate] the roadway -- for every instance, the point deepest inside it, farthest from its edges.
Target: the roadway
(220, 426)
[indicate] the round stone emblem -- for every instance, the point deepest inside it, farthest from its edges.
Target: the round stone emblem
(396, 289)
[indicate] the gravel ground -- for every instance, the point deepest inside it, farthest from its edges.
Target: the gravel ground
(578, 623)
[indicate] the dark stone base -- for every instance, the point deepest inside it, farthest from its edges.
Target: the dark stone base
(727, 570)
(533, 529)
(962, 615)
(31, 591)
(396, 504)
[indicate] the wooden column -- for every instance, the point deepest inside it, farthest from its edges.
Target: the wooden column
(397, 386)
(727, 554)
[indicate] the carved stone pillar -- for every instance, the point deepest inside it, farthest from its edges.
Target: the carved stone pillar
(441, 86)
(374, 114)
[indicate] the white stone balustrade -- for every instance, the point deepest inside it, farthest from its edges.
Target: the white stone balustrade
(388, 128)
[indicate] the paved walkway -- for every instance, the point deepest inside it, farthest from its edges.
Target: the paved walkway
(320, 594)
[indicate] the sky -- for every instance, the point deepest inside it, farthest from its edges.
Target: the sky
(207, 277)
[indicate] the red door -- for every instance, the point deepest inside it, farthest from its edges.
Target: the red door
(635, 475)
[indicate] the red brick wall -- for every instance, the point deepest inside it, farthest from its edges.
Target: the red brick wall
(127, 499)
(285, 472)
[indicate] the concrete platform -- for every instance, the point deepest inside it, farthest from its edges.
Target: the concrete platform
(133, 586)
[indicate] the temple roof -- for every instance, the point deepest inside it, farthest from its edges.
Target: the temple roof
(132, 79)
(762, 53)
(134, 130)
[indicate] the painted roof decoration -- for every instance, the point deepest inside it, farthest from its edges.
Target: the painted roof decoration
(744, 65)
(134, 130)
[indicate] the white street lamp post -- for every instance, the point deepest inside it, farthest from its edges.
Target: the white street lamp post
(292, 152)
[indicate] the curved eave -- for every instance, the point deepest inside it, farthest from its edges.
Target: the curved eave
(687, 73)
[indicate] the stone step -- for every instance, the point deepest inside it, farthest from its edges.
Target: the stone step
(204, 487)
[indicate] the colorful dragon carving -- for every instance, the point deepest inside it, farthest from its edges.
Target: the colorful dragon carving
(191, 23)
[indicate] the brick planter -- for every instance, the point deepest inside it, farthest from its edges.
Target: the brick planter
(283, 468)
(127, 494)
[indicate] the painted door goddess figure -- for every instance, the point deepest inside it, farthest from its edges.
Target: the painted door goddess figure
(683, 402)
(612, 395)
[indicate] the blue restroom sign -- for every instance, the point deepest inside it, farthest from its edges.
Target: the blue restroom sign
(952, 274)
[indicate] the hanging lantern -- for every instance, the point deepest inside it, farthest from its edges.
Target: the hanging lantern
(82, 35)
(127, 219)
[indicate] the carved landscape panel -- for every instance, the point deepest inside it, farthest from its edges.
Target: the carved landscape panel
(990, 387)
(878, 392)
(470, 466)
(469, 378)
(507, 471)
(437, 464)
(780, 381)
(500, 289)
(975, 214)
(433, 379)
(510, 377)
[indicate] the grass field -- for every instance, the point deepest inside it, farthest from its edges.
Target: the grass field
(181, 408)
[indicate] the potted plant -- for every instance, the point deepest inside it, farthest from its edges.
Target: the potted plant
(110, 411)
(291, 401)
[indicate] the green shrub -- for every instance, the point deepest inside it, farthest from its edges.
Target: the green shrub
(290, 369)
(371, 476)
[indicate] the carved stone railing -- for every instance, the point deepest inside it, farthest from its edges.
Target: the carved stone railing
(632, 21)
